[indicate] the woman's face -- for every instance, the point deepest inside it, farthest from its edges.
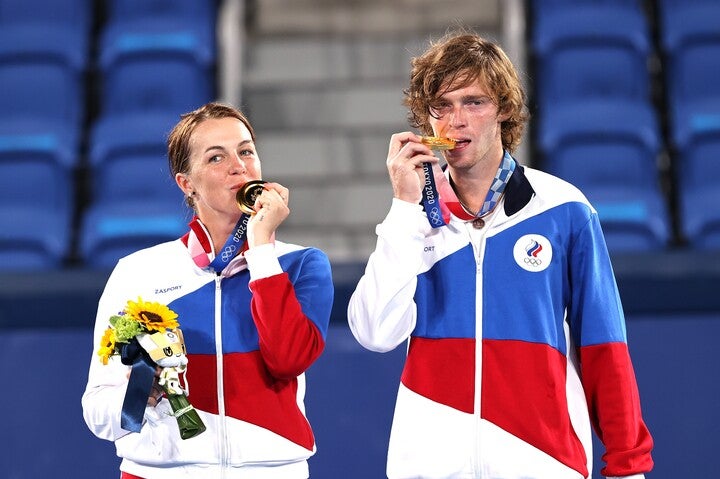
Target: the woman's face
(222, 159)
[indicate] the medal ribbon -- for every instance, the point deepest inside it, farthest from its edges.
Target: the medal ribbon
(199, 244)
(431, 199)
(448, 200)
(497, 187)
(232, 245)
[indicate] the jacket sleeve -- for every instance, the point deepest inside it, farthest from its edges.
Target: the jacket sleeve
(598, 325)
(105, 389)
(291, 313)
(382, 312)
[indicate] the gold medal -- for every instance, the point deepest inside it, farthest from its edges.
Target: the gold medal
(247, 194)
(438, 142)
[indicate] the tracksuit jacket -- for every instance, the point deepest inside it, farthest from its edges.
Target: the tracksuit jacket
(250, 332)
(517, 340)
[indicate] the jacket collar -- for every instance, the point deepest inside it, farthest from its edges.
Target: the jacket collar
(518, 191)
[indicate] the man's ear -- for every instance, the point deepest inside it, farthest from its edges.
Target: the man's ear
(503, 116)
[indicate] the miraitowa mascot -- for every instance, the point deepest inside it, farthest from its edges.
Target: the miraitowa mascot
(167, 349)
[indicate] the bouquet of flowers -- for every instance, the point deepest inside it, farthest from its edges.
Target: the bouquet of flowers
(147, 336)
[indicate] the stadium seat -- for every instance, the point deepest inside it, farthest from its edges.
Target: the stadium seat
(42, 70)
(73, 14)
(128, 158)
(156, 64)
(551, 4)
(591, 49)
(696, 141)
(690, 39)
(609, 150)
(539, 8)
(44, 49)
(701, 218)
(132, 10)
(37, 165)
(601, 142)
(113, 230)
(32, 238)
(136, 203)
(37, 162)
(633, 220)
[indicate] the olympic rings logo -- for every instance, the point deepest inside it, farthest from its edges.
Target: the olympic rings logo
(533, 261)
(228, 252)
(435, 215)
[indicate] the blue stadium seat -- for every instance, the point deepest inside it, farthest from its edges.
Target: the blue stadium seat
(131, 10)
(37, 165)
(42, 69)
(697, 124)
(128, 158)
(601, 142)
(539, 8)
(697, 143)
(690, 39)
(609, 150)
(701, 218)
(111, 230)
(570, 3)
(591, 49)
(156, 64)
(73, 14)
(633, 220)
(32, 238)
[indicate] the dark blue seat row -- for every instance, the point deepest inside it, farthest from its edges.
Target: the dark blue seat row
(598, 125)
(155, 61)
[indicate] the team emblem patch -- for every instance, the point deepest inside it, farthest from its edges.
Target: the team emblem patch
(533, 252)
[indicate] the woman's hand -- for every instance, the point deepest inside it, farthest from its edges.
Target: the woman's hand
(271, 209)
(404, 163)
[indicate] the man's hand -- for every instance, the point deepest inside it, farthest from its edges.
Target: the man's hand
(406, 154)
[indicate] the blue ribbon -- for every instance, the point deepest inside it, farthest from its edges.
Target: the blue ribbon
(431, 199)
(141, 380)
(232, 244)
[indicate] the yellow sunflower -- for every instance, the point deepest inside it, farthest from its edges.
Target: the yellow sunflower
(153, 316)
(107, 345)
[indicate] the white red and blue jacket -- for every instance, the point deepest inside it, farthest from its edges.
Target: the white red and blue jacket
(250, 333)
(517, 340)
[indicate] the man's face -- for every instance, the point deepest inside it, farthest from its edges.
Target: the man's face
(468, 115)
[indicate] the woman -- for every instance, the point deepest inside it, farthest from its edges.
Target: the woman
(253, 311)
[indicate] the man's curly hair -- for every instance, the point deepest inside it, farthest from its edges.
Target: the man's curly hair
(459, 59)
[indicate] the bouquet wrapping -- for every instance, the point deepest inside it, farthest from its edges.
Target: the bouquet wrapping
(147, 337)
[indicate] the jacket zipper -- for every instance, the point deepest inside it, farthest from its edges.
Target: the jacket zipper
(478, 242)
(222, 433)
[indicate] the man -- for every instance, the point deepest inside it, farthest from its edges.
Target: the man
(504, 289)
